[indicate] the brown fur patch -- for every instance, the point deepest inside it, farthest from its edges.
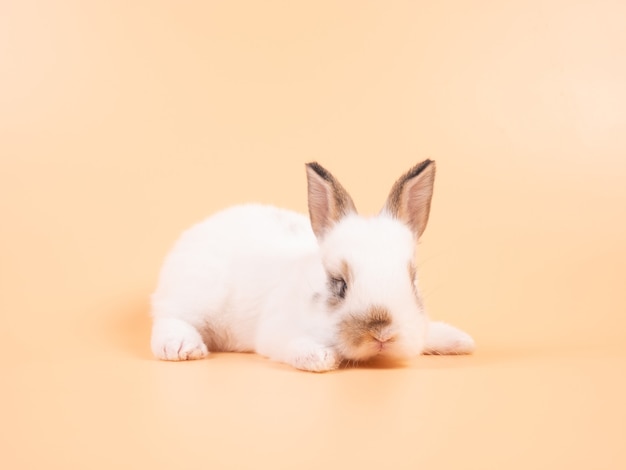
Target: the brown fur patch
(412, 276)
(357, 330)
(346, 272)
(333, 302)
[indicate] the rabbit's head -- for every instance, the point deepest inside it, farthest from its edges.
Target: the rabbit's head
(371, 290)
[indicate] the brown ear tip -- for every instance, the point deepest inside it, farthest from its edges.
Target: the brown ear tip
(320, 170)
(421, 168)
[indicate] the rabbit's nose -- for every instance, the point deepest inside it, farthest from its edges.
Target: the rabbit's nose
(383, 342)
(383, 337)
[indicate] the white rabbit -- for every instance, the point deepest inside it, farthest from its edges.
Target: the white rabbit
(309, 293)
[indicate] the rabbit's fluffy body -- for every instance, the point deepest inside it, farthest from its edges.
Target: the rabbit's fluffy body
(307, 292)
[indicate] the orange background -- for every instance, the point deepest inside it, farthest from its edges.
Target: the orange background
(122, 123)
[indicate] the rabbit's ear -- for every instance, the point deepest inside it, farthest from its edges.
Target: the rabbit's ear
(328, 201)
(410, 196)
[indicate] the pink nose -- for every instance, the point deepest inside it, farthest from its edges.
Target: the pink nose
(382, 340)
(383, 337)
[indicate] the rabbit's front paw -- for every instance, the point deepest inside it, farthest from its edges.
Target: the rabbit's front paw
(176, 340)
(313, 357)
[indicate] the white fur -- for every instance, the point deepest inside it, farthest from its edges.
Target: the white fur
(244, 278)
(447, 339)
(379, 249)
(254, 278)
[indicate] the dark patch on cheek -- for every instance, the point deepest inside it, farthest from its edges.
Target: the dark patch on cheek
(333, 302)
(339, 285)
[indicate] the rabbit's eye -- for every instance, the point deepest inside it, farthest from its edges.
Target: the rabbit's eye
(338, 287)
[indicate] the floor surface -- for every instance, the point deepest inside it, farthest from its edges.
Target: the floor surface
(107, 405)
(122, 123)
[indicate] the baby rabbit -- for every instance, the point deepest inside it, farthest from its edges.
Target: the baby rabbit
(309, 293)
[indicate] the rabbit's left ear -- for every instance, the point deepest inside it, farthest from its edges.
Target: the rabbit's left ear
(410, 196)
(329, 202)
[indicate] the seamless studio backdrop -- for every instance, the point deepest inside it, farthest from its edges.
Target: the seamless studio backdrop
(123, 123)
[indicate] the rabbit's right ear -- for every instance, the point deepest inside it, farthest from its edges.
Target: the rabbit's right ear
(329, 202)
